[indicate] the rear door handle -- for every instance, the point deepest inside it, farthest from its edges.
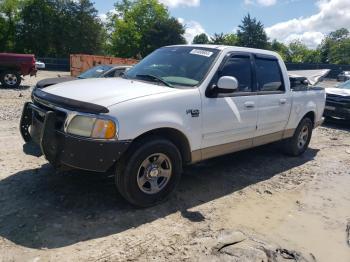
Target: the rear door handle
(283, 101)
(249, 104)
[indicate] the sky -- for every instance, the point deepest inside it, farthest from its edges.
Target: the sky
(284, 20)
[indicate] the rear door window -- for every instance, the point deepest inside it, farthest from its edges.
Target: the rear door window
(269, 75)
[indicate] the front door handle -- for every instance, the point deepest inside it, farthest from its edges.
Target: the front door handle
(249, 104)
(283, 101)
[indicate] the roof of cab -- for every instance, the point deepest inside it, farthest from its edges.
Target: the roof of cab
(232, 48)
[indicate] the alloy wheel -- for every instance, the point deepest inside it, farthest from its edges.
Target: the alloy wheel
(303, 137)
(154, 173)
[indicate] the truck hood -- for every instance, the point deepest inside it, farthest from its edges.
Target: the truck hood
(338, 91)
(105, 92)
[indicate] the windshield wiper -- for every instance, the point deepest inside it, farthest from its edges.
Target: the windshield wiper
(156, 78)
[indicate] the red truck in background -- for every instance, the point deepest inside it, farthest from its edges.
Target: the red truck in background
(13, 66)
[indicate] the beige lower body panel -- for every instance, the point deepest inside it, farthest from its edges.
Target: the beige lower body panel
(219, 150)
(224, 149)
(269, 138)
(288, 133)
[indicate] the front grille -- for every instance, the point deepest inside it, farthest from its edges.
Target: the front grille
(60, 115)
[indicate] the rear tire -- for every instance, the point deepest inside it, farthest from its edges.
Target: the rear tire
(297, 145)
(10, 79)
(149, 172)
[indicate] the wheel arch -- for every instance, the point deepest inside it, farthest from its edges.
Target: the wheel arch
(311, 115)
(177, 137)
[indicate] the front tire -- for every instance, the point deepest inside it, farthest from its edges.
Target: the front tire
(149, 172)
(10, 79)
(297, 145)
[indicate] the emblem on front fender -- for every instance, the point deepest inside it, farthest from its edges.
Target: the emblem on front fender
(193, 112)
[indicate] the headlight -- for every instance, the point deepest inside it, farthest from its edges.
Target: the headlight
(92, 127)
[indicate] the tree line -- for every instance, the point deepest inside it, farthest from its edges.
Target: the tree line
(334, 49)
(54, 28)
(58, 28)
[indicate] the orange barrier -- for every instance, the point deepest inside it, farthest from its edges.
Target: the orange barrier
(80, 63)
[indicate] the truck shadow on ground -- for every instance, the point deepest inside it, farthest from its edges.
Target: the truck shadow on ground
(41, 208)
(20, 88)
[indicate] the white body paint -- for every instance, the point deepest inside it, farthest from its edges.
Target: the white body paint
(141, 107)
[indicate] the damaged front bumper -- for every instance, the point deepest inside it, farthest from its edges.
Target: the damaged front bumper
(337, 106)
(44, 128)
(337, 112)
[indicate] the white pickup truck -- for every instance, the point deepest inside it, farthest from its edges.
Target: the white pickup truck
(178, 106)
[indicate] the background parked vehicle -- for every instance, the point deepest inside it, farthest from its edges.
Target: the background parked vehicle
(100, 71)
(13, 66)
(343, 76)
(338, 101)
(40, 65)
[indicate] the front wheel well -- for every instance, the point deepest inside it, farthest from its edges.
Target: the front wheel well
(173, 135)
(311, 116)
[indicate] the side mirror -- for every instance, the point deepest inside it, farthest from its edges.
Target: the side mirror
(227, 84)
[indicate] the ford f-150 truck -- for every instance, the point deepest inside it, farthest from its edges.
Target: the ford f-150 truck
(178, 106)
(13, 66)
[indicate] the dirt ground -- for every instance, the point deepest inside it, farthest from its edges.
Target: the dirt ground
(256, 205)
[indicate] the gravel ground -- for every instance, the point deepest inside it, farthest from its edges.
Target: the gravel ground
(256, 205)
(13, 99)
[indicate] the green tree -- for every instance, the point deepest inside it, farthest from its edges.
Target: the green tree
(324, 49)
(231, 39)
(36, 28)
(334, 47)
(142, 26)
(163, 33)
(312, 56)
(251, 33)
(9, 13)
(224, 39)
(339, 34)
(281, 49)
(299, 53)
(3, 38)
(339, 52)
(201, 39)
(86, 32)
(218, 39)
(59, 27)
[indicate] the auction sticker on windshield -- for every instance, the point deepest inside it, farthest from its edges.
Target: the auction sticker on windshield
(201, 52)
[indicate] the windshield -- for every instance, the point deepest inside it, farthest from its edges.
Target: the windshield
(345, 85)
(95, 72)
(175, 66)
